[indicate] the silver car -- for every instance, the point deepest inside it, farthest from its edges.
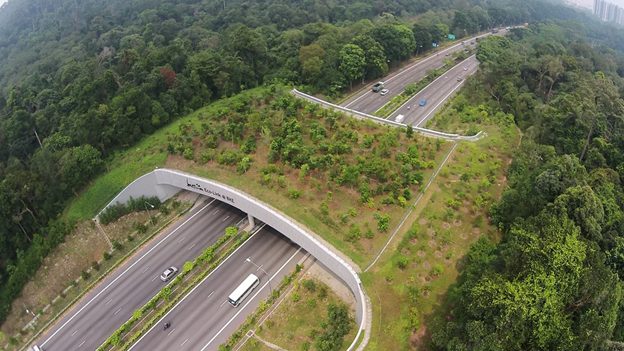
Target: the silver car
(168, 273)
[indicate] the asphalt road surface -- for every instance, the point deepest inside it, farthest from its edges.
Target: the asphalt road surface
(368, 102)
(129, 287)
(435, 94)
(204, 319)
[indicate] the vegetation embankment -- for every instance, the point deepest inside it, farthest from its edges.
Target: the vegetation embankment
(410, 281)
(554, 280)
(80, 262)
(347, 180)
(298, 322)
(412, 89)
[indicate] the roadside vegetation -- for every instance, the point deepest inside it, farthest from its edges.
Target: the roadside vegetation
(80, 262)
(554, 280)
(412, 89)
(410, 282)
(106, 74)
(311, 317)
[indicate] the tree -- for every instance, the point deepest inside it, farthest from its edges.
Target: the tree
(352, 62)
(376, 62)
(396, 39)
(422, 38)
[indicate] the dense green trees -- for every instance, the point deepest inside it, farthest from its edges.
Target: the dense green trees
(82, 79)
(553, 283)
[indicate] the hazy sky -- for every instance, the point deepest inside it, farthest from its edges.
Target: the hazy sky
(588, 3)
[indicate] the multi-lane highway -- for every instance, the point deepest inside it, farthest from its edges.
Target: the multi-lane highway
(129, 287)
(435, 94)
(204, 319)
(368, 102)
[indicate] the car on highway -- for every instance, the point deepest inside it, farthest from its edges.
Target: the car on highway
(459, 79)
(168, 273)
(384, 91)
(422, 102)
(465, 68)
(378, 86)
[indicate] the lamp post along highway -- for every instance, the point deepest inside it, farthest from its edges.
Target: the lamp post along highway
(248, 259)
(148, 211)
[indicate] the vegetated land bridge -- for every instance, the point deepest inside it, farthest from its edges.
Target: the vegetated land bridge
(164, 183)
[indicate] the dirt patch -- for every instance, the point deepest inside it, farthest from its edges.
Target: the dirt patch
(431, 232)
(420, 253)
(319, 272)
(476, 231)
(423, 221)
(438, 254)
(432, 243)
(446, 225)
(457, 223)
(417, 339)
(463, 235)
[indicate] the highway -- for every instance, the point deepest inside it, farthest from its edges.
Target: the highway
(435, 94)
(204, 319)
(129, 287)
(368, 102)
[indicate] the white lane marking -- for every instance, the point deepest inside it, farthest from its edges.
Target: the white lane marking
(216, 211)
(225, 219)
(123, 273)
(108, 301)
(118, 310)
(82, 343)
(192, 246)
(181, 239)
(154, 278)
(441, 102)
(182, 344)
(409, 101)
(172, 330)
(416, 64)
(146, 268)
(196, 286)
(74, 333)
(251, 299)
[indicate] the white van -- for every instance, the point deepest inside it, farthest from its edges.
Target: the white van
(36, 348)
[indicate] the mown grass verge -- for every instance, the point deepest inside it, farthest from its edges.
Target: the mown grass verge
(297, 322)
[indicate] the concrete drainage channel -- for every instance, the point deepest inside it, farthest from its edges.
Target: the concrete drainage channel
(165, 183)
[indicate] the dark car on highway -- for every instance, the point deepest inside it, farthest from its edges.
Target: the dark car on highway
(378, 86)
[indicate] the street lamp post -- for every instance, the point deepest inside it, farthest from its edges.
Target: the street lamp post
(248, 259)
(148, 211)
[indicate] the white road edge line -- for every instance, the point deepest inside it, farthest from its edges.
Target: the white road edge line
(394, 114)
(124, 272)
(251, 299)
(439, 103)
(416, 64)
(196, 286)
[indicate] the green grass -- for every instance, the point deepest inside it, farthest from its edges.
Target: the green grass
(293, 323)
(316, 188)
(454, 217)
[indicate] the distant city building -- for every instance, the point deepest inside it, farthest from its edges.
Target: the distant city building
(608, 11)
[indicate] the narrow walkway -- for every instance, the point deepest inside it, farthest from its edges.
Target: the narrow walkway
(268, 344)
